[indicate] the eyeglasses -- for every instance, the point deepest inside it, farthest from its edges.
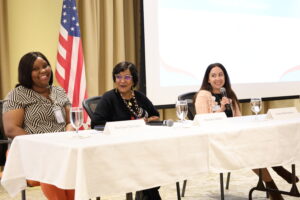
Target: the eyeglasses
(126, 77)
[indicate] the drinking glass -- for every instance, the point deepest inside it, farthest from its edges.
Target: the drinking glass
(256, 105)
(76, 117)
(181, 109)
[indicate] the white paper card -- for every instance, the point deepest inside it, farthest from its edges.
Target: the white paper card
(58, 115)
(202, 119)
(123, 126)
(282, 113)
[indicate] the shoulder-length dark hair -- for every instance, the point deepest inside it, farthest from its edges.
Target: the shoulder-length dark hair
(227, 85)
(122, 66)
(25, 69)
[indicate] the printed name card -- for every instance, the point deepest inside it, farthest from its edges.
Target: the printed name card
(282, 113)
(123, 126)
(202, 119)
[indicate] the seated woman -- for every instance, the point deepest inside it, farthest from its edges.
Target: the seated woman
(34, 107)
(209, 99)
(125, 103)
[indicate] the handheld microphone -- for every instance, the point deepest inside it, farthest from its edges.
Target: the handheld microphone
(223, 93)
(168, 122)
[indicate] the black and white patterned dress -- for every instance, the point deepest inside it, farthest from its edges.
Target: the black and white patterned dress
(39, 111)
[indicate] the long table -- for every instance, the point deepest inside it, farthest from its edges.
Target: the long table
(96, 164)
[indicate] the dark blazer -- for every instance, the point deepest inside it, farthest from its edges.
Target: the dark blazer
(112, 108)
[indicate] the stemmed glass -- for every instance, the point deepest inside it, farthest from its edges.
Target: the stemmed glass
(76, 117)
(256, 105)
(181, 109)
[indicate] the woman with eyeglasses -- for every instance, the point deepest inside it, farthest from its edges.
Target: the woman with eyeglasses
(125, 103)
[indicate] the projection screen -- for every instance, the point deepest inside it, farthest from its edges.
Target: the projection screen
(258, 41)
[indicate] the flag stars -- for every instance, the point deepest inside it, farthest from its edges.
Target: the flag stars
(70, 18)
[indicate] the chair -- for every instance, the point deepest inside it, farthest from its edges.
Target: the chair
(4, 142)
(90, 105)
(190, 100)
(191, 114)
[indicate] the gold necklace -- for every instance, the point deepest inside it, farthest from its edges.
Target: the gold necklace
(138, 112)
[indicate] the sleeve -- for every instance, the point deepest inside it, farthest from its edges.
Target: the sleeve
(102, 112)
(148, 106)
(62, 97)
(13, 101)
(203, 102)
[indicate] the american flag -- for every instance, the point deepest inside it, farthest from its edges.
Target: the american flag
(70, 69)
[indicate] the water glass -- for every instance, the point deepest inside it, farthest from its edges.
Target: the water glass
(256, 105)
(181, 109)
(76, 117)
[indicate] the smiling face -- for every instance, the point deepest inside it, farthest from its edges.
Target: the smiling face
(216, 79)
(41, 73)
(124, 82)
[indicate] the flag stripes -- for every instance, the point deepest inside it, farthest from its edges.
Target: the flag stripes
(70, 68)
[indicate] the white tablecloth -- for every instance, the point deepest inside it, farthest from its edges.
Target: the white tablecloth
(100, 164)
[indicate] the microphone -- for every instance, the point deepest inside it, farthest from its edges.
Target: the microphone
(223, 93)
(168, 122)
(99, 127)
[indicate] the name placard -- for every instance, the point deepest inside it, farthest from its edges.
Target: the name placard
(123, 126)
(282, 113)
(201, 119)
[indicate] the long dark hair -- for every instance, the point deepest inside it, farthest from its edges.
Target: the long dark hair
(25, 69)
(227, 85)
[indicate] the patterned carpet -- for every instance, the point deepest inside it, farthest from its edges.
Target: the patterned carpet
(204, 187)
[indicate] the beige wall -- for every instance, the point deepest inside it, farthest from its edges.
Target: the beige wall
(33, 26)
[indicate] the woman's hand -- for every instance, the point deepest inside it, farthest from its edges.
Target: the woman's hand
(152, 118)
(69, 126)
(223, 102)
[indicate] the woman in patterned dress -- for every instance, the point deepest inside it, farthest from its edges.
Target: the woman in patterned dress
(35, 106)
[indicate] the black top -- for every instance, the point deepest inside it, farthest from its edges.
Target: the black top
(111, 107)
(227, 111)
